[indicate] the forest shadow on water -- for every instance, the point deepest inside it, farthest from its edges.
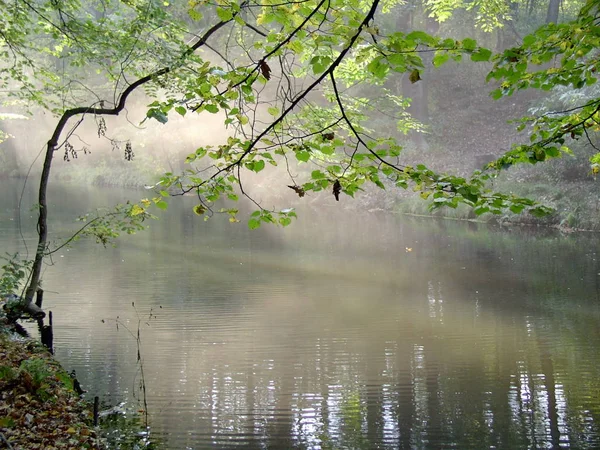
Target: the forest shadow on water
(345, 330)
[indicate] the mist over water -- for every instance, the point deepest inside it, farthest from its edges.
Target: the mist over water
(345, 330)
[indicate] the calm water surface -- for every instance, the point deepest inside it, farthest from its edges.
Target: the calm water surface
(347, 330)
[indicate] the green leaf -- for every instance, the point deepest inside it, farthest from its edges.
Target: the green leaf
(295, 46)
(258, 165)
(205, 88)
(378, 67)
(181, 110)
(539, 211)
(440, 58)
(253, 223)
(285, 221)
(161, 204)
(158, 115)
(517, 208)
(469, 44)
(481, 54)
(136, 210)
(224, 14)
(194, 15)
(529, 40)
(320, 64)
(7, 422)
(302, 155)
(273, 110)
(496, 94)
(421, 36)
(213, 109)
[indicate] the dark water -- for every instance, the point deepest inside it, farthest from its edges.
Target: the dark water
(347, 330)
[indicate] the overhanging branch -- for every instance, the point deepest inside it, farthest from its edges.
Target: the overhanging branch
(53, 142)
(297, 100)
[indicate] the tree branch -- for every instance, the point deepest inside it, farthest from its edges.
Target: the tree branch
(299, 98)
(53, 142)
(354, 131)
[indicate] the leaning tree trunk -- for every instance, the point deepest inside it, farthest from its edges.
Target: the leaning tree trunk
(42, 226)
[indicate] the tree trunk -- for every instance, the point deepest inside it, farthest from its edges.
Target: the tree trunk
(36, 271)
(419, 106)
(42, 228)
(553, 7)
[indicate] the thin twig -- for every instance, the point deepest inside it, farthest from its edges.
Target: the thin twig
(6, 441)
(297, 100)
(78, 232)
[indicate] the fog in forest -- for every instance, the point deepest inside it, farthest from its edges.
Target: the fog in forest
(310, 225)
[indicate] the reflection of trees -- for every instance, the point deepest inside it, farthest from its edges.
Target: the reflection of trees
(333, 334)
(504, 390)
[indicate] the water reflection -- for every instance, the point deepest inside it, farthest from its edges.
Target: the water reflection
(332, 334)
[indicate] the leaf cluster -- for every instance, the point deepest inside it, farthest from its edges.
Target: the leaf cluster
(106, 227)
(328, 42)
(285, 87)
(556, 55)
(92, 42)
(14, 273)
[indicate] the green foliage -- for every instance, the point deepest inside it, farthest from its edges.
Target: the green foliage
(7, 422)
(7, 374)
(127, 430)
(571, 47)
(37, 376)
(283, 217)
(37, 373)
(489, 14)
(305, 114)
(14, 274)
(65, 379)
(96, 42)
(129, 218)
(335, 135)
(37, 369)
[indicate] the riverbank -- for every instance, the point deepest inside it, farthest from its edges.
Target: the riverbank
(39, 408)
(576, 207)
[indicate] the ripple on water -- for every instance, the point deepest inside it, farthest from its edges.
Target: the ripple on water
(332, 335)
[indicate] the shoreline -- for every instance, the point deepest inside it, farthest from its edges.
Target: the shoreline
(39, 408)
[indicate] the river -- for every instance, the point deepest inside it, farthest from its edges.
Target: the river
(348, 329)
